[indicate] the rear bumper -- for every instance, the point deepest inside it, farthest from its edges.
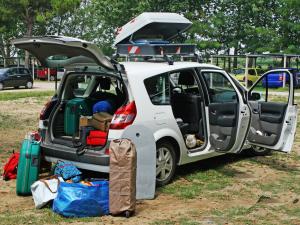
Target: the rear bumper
(90, 160)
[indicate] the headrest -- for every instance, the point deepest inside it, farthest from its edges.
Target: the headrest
(105, 83)
(186, 78)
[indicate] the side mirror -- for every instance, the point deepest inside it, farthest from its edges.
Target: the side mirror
(254, 96)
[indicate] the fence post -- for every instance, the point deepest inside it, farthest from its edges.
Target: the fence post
(284, 66)
(246, 71)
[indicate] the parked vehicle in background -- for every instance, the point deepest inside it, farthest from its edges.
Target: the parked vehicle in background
(253, 75)
(42, 73)
(15, 77)
(275, 79)
(60, 73)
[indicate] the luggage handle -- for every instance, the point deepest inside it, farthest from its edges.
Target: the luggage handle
(47, 185)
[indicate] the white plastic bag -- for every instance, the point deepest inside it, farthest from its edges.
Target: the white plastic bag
(45, 190)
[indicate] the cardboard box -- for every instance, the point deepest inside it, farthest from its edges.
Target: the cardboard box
(101, 121)
(85, 121)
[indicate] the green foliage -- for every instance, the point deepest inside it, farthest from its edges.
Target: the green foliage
(248, 26)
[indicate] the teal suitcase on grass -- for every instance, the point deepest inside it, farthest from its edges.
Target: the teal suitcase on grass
(73, 110)
(28, 167)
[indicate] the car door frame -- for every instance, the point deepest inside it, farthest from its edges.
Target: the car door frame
(288, 130)
(243, 112)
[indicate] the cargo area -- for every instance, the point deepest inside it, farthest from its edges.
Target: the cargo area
(88, 103)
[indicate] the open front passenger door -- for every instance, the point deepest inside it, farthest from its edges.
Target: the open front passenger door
(273, 112)
(227, 111)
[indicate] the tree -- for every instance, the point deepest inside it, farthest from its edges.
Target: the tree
(29, 12)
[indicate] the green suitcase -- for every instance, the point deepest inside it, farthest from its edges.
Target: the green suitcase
(74, 109)
(28, 167)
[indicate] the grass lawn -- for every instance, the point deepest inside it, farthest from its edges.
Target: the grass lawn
(229, 189)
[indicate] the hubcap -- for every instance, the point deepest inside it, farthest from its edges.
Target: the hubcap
(29, 85)
(164, 164)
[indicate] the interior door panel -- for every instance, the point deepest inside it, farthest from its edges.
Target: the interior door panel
(267, 122)
(223, 117)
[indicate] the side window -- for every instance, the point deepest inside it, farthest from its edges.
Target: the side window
(158, 88)
(273, 87)
(251, 72)
(23, 71)
(12, 72)
(184, 81)
(219, 88)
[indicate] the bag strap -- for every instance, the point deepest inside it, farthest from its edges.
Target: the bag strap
(44, 181)
(81, 150)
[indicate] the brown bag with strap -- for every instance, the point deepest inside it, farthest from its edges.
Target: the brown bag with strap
(122, 177)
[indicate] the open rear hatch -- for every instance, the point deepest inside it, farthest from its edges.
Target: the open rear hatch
(69, 51)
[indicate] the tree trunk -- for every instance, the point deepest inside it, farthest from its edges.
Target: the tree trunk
(29, 25)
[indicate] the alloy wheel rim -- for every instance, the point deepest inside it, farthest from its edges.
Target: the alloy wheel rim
(29, 84)
(164, 163)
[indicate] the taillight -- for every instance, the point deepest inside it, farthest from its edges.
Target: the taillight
(281, 77)
(124, 116)
(43, 113)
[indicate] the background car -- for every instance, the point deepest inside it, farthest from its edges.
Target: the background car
(275, 80)
(253, 75)
(42, 74)
(15, 77)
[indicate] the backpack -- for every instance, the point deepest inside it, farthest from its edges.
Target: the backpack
(10, 168)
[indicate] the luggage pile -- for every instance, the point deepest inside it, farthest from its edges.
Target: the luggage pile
(73, 196)
(90, 125)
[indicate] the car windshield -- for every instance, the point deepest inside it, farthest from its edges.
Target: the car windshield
(238, 71)
(3, 70)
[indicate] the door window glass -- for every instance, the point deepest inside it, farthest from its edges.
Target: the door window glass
(23, 71)
(219, 88)
(158, 89)
(273, 87)
(184, 81)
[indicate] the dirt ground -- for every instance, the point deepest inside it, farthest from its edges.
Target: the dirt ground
(231, 189)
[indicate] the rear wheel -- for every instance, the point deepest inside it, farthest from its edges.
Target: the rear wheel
(165, 163)
(29, 85)
(16, 87)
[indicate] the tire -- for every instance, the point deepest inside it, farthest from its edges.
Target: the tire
(1, 86)
(165, 163)
(29, 85)
(259, 151)
(16, 87)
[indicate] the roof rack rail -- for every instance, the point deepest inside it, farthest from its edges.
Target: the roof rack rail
(159, 52)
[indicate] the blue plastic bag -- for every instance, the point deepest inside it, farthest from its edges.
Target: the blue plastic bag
(79, 200)
(68, 171)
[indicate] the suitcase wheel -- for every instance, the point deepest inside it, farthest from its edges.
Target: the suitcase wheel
(127, 214)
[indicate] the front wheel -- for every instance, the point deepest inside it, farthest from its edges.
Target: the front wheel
(165, 163)
(259, 151)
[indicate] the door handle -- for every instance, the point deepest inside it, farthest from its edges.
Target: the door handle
(214, 112)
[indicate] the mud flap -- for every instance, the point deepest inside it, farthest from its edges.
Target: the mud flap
(144, 141)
